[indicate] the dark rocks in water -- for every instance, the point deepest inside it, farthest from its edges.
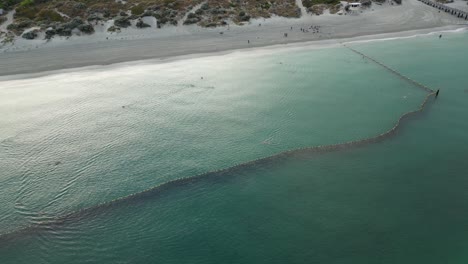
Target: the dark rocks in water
(57, 163)
(122, 13)
(141, 24)
(122, 22)
(30, 35)
(85, 28)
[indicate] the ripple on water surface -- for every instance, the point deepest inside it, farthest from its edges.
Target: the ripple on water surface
(84, 141)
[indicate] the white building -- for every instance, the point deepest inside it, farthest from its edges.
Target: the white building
(354, 6)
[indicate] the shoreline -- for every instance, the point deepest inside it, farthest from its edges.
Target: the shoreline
(306, 44)
(191, 42)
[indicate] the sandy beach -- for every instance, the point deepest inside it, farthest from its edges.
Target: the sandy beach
(103, 48)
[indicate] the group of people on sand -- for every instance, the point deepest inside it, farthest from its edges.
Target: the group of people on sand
(312, 28)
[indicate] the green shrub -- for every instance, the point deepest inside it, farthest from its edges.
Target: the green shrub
(137, 10)
(26, 12)
(26, 3)
(2, 19)
(309, 3)
(50, 15)
(8, 4)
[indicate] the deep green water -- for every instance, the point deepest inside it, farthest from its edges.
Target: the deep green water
(67, 142)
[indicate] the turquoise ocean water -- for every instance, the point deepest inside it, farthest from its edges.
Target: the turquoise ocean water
(75, 140)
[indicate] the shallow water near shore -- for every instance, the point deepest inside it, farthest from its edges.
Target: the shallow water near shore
(71, 141)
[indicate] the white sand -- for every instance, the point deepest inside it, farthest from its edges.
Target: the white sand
(9, 16)
(301, 6)
(103, 48)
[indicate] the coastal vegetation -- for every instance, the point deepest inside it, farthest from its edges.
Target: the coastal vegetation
(8, 4)
(317, 7)
(2, 19)
(63, 17)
